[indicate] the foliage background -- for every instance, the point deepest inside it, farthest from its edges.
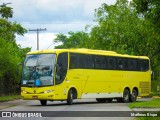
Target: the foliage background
(11, 54)
(127, 27)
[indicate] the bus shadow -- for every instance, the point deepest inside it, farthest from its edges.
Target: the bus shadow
(57, 103)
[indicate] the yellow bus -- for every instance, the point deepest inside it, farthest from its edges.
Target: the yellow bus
(68, 74)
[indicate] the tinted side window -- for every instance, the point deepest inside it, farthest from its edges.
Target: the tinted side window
(98, 62)
(126, 66)
(120, 64)
(73, 60)
(76, 61)
(61, 69)
(104, 63)
(139, 65)
(88, 61)
(111, 63)
(145, 65)
(79, 61)
(132, 64)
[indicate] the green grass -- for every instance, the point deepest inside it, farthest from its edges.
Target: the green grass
(155, 103)
(147, 118)
(9, 98)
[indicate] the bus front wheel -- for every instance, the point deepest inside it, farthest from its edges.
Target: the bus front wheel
(43, 102)
(70, 97)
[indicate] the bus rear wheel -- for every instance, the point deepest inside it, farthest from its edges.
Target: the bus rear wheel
(70, 97)
(133, 96)
(126, 95)
(43, 102)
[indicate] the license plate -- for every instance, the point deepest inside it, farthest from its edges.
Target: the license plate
(34, 97)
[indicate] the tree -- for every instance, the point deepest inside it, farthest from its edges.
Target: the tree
(149, 9)
(6, 12)
(11, 54)
(73, 40)
(9, 29)
(121, 29)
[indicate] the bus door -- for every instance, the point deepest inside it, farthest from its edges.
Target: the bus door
(60, 76)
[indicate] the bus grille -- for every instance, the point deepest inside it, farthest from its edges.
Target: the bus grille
(145, 87)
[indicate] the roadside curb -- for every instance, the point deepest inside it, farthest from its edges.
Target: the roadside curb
(155, 97)
(12, 103)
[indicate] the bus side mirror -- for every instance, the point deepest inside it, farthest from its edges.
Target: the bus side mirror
(152, 75)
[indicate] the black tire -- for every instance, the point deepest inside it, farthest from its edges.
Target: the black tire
(109, 99)
(101, 100)
(70, 97)
(120, 100)
(133, 96)
(43, 102)
(126, 96)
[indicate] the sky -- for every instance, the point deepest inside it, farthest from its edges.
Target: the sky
(57, 16)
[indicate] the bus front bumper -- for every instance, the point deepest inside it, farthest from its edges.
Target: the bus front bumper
(43, 96)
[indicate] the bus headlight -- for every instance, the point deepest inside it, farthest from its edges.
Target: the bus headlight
(48, 91)
(24, 92)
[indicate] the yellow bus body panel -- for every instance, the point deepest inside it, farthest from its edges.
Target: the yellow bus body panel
(92, 83)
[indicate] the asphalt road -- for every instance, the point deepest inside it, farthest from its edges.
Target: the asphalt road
(83, 108)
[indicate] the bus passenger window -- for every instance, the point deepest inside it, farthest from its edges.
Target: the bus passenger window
(104, 63)
(76, 61)
(126, 67)
(72, 61)
(111, 64)
(79, 61)
(97, 62)
(145, 65)
(88, 61)
(119, 64)
(132, 64)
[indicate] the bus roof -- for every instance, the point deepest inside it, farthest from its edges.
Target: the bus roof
(87, 51)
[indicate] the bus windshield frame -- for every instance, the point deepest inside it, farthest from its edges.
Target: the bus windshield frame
(38, 70)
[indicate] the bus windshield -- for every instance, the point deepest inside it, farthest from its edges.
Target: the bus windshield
(38, 70)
